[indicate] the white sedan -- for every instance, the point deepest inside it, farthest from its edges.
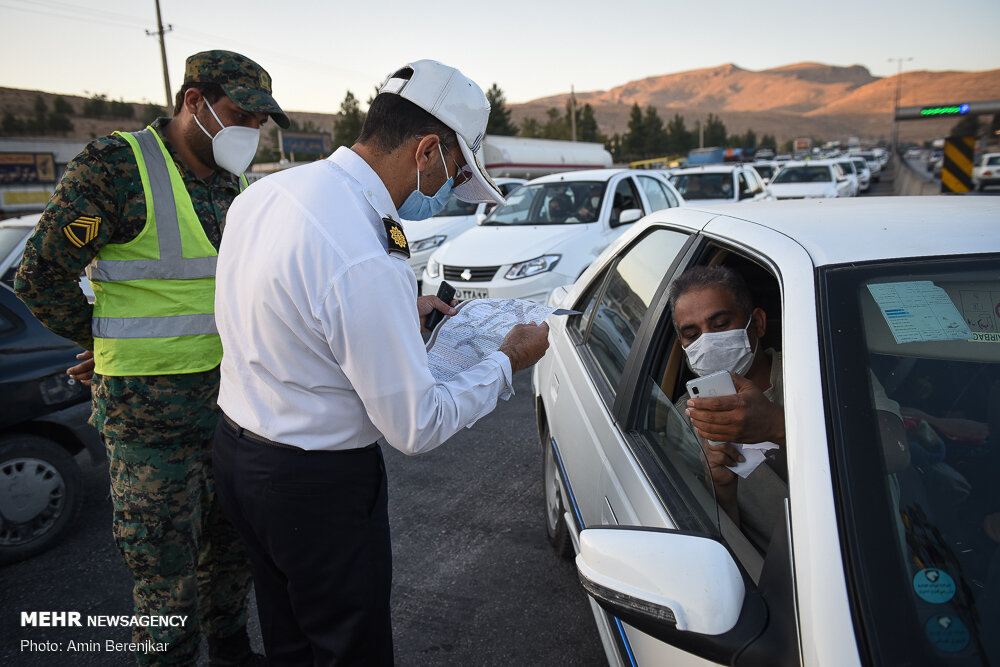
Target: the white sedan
(547, 233)
(426, 236)
(811, 179)
(874, 539)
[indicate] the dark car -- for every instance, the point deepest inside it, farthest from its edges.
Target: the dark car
(43, 426)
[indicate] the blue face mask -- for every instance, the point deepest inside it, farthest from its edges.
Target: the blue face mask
(419, 206)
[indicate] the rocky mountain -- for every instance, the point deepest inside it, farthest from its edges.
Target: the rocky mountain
(807, 99)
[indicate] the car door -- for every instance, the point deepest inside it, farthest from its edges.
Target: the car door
(653, 475)
(659, 194)
(589, 365)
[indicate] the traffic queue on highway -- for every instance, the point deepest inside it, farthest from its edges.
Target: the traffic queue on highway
(554, 226)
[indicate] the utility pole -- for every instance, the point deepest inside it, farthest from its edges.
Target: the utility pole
(895, 106)
(163, 52)
(572, 112)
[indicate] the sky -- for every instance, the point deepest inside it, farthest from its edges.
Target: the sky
(316, 51)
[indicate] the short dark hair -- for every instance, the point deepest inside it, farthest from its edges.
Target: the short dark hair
(210, 91)
(698, 277)
(392, 120)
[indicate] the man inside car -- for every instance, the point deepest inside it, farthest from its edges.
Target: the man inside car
(720, 329)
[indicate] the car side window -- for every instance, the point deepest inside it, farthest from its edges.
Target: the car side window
(656, 193)
(745, 188)
(612, 317)
(748, 509)
(587, 303)
(626, 197)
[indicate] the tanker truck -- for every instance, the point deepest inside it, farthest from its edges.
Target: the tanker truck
(521, 157)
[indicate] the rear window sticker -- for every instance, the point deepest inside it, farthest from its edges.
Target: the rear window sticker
(981, 309)
(947, 633)
(919, 310)
(934, 585)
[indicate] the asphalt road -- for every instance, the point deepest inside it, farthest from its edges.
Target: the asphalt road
(475, 582)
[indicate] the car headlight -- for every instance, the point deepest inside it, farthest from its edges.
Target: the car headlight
(427, 244)
(533, 267)
(433, 268)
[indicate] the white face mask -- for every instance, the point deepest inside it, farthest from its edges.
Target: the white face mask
(233, 147)
(721, 351)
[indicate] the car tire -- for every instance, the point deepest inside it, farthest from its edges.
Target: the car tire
(555, 527)
(40, 495)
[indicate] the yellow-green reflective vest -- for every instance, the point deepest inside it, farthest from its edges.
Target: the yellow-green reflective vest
(154, 307)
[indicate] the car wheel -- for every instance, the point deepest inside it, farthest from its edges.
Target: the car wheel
(555, 526)
(40, 494)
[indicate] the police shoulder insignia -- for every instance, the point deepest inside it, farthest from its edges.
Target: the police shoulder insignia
(82, 230)
(397, 239)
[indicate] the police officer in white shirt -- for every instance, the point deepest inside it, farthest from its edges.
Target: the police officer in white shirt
(320, 325)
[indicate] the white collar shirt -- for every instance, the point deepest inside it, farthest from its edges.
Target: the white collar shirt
(320, 332)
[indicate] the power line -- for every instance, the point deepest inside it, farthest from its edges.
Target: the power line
(76, 14)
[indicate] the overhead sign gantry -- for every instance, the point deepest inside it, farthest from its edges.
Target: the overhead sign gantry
(956, 168)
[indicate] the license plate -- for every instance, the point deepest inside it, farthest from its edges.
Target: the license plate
(466, 294)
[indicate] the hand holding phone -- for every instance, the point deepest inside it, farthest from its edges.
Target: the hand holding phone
(446, 293)
(719, 383)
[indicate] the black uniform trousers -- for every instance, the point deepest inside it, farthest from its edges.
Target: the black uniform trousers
(316, 528)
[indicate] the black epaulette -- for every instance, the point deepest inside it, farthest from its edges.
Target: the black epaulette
(397, 238)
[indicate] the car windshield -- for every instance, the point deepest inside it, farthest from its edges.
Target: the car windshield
(915, 409)
(11, 238)
(860, 164)
(456, 207)
(995, 160)
(804, 175)
(561, 202)
(717, 185)
(765, 170)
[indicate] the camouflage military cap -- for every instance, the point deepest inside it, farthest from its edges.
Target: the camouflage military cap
(244, 81)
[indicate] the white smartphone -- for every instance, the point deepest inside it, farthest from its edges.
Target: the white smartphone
(719, 383)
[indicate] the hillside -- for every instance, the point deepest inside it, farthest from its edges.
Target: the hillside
(801, 99)
(21, 103)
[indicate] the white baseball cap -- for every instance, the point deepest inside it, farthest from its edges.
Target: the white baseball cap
(459, 103)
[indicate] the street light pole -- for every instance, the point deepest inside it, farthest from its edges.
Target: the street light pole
(895, 106)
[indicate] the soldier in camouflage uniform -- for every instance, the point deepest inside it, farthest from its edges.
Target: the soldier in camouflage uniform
(185, 556)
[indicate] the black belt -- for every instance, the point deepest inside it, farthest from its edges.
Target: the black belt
(250, 435)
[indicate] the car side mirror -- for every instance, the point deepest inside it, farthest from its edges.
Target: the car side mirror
(627, 216)
(685, 590)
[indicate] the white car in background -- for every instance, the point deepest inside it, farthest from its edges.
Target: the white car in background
(765, 169)
(863, 172)
(14, 235)
(872, 538)
(719, 184)
(851, 172)
(426, 236)
(810, 179)
(547, 233)
(986, 172)
(874, 164)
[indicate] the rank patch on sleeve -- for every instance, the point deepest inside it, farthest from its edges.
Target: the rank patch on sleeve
(397, 239)
(82, 230)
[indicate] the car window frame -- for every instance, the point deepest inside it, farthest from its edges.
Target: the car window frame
(625, 385)
(864, 544)
(627, 408)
